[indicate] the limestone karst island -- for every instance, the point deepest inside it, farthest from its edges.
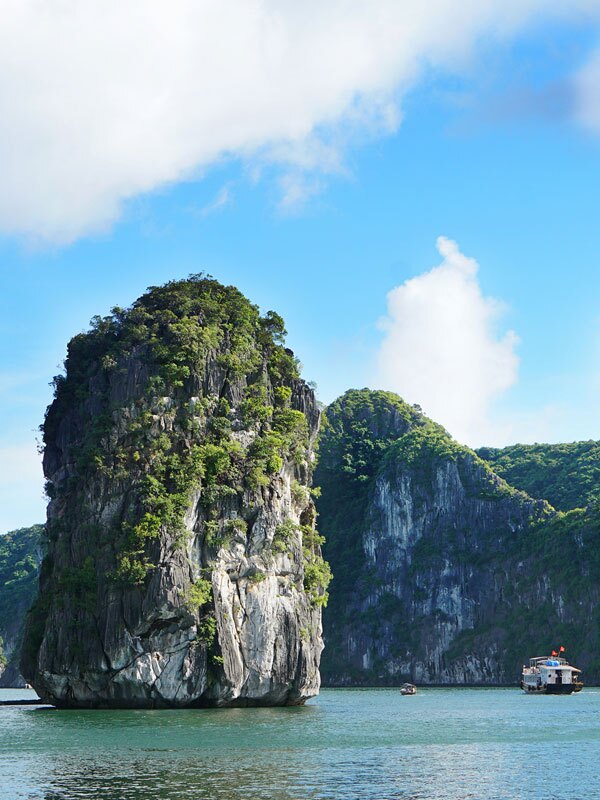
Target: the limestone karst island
(183, 566)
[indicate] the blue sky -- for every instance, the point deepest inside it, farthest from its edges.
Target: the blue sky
(496, 152)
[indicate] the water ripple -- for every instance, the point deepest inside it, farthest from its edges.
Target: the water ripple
(451, 744)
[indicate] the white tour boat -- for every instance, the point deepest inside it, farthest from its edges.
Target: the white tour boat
(550, 675)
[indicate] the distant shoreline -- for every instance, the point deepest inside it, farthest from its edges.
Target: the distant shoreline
(514, 685)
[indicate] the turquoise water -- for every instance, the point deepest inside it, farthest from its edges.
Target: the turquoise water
(372, 743)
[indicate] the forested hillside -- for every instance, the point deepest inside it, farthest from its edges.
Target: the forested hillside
(20, 557)
(567, 475)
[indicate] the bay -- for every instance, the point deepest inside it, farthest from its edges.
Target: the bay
(442, 744)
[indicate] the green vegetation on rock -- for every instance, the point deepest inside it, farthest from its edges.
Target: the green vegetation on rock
(198, 594)
(19, 564)
(357, 430)
(567, 475)
(20, 555)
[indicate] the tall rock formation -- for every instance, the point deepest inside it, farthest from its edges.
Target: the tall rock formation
(183, 566)
(443, 572)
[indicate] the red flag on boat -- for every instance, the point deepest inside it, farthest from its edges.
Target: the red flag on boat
(554, 653)
(561, 649)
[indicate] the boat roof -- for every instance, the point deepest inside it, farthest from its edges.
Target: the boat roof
(557, 661)
(560, 666)
(560, 659)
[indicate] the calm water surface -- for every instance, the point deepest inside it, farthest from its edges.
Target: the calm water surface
(373, 743)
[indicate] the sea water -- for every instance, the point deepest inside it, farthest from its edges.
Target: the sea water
(372, 743)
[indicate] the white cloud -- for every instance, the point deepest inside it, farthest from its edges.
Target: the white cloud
(441, 348)
(222, 199)
(296, 190)
(21, 486)
(102, 101)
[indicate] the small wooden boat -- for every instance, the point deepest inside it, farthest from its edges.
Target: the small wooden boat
(408, 688)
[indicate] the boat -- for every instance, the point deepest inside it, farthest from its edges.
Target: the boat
(408, 688)
(551, 675)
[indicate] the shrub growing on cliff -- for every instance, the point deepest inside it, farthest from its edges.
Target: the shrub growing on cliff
(284, 536)
(317, 572)
(198, 594)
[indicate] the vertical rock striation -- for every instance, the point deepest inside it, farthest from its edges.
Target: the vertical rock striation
(183, 566)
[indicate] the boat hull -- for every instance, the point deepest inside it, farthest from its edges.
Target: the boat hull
(564, 688)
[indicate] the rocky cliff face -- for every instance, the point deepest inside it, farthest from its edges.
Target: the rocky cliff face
(444, 573)
(183, 564)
